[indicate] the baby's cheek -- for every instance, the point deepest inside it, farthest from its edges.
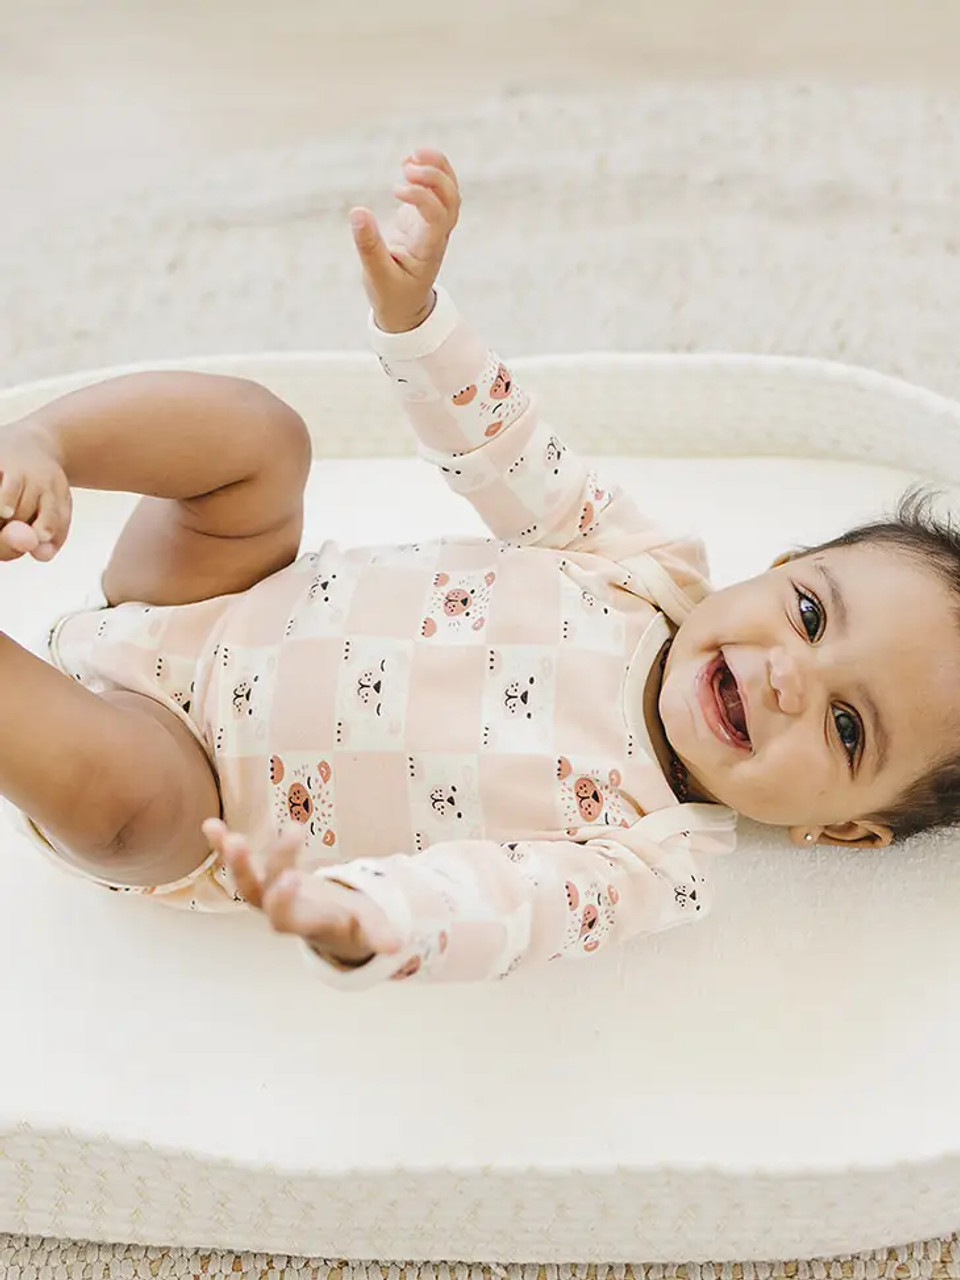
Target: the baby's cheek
(785, 783)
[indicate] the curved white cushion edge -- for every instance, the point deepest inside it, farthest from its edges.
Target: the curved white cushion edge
(697, 405)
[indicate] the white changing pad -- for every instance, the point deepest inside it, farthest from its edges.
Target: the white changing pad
(771, 1083)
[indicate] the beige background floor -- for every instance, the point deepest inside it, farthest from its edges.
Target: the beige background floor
(96, 94)
(700, 174)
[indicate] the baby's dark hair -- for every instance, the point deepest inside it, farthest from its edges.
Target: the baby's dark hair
(933, 541)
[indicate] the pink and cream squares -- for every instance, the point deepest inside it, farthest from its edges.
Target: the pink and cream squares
(349, 805)
(344, 694)
(388, 600)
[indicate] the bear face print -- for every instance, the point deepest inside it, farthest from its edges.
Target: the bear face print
(413, 383)
(588, 621)
(444, 798)
(591, 798)
(370, 686)
(690, 894)
(518, 698)
(246, 686)
(554, 452)
(484, 407)
(445, 802)
(184, 697)
(243, 699)
(592, 914)
(302, 791)
(465, 475)
(322, 609)
(372, 692)
(595, 502)
(322, 589)
(176, 678)
(502, 384)
(458, 606)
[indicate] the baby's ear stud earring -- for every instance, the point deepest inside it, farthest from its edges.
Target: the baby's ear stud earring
(808, 836)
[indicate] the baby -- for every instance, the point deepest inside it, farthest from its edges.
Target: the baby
(454, 758)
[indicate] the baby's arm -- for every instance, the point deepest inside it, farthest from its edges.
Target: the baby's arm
(476, 910)
(469, 910)
(483, 431)
(221, 461)
(474, 421)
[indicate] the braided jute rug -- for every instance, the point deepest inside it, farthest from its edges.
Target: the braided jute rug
(32, 1258)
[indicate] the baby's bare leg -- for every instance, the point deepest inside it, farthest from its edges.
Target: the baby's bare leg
(221, 462)
(117, 781)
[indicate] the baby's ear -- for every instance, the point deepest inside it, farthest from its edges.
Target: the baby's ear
(848, 835)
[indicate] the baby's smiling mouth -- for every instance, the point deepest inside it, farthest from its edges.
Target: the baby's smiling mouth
(722, 703)
(730, 703)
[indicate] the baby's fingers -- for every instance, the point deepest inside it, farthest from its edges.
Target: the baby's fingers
(376, 258)
(11, 493)
(432, 209)
(442, 184)
(351, 929)
(17, 539)
(235, 854)
(283, 856)
(52, 523)
(431, 156)
(292, 908)
(239, 860)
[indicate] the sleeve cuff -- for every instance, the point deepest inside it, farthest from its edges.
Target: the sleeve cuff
(379, 969)
(369, 878)
(422, 341)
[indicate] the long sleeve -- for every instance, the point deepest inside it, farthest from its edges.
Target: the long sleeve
(485, 434)
(476, 910)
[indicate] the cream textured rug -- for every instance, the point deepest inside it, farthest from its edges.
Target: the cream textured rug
(27, 1258)
(724, 217)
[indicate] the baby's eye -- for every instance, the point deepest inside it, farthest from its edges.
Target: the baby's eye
(811, 615)
(848, 731)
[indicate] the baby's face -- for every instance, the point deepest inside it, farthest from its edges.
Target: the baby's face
(816, 693)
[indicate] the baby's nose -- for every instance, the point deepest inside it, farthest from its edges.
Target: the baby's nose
(786, 680)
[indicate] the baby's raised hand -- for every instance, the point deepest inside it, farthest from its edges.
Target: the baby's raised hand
(400, 267)
(343, 925)
(35, 499)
